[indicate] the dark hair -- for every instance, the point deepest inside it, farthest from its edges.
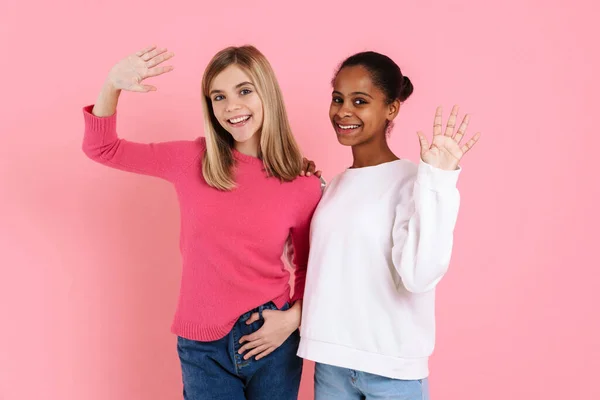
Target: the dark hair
(385, 74)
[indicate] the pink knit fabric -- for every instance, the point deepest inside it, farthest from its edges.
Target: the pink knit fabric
(231, 242)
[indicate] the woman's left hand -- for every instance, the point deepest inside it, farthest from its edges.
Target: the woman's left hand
(278, 326)
(445, 151)
(308, 168)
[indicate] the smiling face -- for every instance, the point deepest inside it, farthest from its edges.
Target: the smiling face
(359, 110)
(237, 105)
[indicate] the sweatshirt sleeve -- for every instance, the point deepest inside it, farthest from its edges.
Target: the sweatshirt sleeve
(297, 253)
(164, 160)
(423, 235)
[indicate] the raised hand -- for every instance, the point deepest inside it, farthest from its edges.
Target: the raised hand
(129, 73)
(445, 151)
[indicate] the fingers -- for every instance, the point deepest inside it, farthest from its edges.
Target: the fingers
(462, 129)
(266, 353)
(304, 165)
(257, 350)
(423, 142)
(451, 122)
(250, 338)
(251, 345)
(151, 54)
(437, 122)
(318, 174)
(144, 51)
(253, 318)
(470, 143)
(310, 169)
(158, 71)
(153, 62)
(142, 88)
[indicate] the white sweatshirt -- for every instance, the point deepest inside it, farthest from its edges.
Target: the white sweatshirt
(381, 239)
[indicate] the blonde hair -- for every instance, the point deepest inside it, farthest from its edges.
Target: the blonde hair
(278, 149)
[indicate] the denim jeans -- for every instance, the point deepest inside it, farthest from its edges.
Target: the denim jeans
(335, 383)
(215, 371)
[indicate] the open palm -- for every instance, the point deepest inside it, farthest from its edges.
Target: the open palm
(129, 73)
(445, 151)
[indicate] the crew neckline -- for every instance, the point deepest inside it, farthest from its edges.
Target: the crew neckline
(246, 158)
(375, 167)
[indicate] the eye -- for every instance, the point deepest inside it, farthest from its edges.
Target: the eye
(245, 92)
(360, 102)
(337, 100)
(218, 97)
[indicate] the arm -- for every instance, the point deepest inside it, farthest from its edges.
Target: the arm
(297, 249)
(165, 160)
(279, 325)
(101, 142)
(422, 243)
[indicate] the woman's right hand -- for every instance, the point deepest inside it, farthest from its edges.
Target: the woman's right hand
(129, 73)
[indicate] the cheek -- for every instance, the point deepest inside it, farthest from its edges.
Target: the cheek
(372, 118)
(257, 108)
(365, 116)
(217, 107)
(333, 109)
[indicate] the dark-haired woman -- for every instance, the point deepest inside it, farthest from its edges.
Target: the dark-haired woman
(381, 240)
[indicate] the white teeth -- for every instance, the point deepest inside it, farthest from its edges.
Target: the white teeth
(240, 119)
(348, 126)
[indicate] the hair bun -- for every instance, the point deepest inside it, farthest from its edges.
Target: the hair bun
(406, 88)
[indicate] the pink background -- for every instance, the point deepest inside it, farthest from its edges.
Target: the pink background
(89, 256)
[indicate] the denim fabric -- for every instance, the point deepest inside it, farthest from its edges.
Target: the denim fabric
(335, 383)
(215, 371)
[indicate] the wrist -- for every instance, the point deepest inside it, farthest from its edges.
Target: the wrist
(110, 88)
(293, 316)
(442, 167)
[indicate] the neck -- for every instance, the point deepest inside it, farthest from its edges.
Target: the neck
(373, 152)
(249, 147)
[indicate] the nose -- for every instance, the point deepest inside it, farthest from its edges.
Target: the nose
(232, 105)
(344, 111)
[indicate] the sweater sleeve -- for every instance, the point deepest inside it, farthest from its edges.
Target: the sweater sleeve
(164, 160)
(297, 254)
(423, 236)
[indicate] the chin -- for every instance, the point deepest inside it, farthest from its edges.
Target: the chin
(242, 137)
(348, 140)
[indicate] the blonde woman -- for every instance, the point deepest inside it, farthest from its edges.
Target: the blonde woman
(241, 205)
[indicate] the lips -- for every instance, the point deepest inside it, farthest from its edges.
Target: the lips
(345, 129)
(239, 120)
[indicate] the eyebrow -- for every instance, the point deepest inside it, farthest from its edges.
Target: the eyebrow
(354, 93)
(239, 85)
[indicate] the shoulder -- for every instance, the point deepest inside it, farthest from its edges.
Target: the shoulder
(308, 185)
(185, 150)
(406, 167)
(403, 173)
(200, 144)
(187, 145)
(305, 191)
(192, 148)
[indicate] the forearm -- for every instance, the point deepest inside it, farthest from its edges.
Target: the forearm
(423, 244)
(294, 314)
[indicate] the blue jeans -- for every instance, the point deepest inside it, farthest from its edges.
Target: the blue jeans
(215, 370)
(335, 383)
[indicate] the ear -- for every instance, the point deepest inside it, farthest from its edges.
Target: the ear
(393, 109)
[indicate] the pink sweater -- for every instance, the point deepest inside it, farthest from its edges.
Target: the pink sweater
(231, 242)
